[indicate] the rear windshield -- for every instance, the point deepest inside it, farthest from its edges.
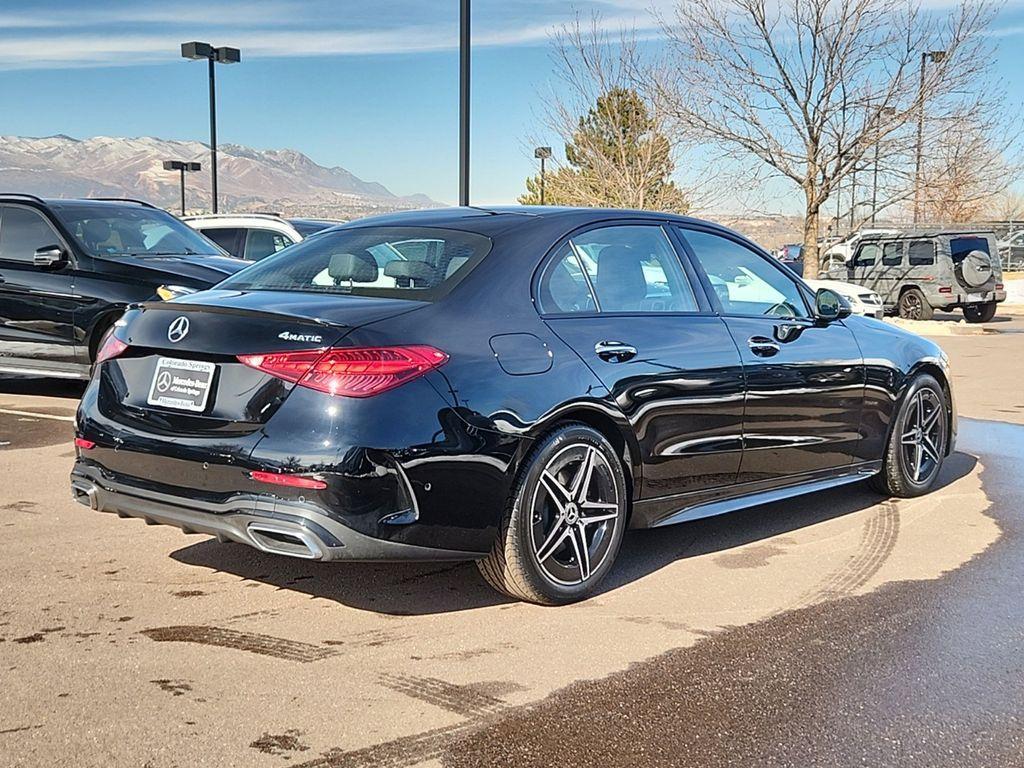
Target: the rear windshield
(103, 229)
(394, 262)
(959, 247)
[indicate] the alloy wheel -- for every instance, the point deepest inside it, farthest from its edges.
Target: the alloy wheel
(574, 511)
(911, 307)
(923, 438)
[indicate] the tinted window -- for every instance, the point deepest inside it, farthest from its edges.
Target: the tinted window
(745, 282)
(634, 269)
(260, 243)
(22, 233)
(307, 227)
(892, 254)
(921, 253)
(349, 261)
(226, 238)
(959, 247)
(867, 255)
(564, 287)
(110, 229)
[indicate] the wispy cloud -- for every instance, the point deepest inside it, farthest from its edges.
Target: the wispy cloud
(116, 37)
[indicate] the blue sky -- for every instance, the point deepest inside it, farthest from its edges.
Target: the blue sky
(371, 86)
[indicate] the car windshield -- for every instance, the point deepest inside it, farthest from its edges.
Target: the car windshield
(392, 262)
(307, 227)
(104, 229)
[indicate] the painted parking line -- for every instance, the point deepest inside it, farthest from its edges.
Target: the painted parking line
(12, 412)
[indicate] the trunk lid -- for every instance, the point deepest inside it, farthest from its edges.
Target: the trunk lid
(181, 374)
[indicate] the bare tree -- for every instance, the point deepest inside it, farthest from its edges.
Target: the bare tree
(619, 149)
(809, 87)
(1008, 205)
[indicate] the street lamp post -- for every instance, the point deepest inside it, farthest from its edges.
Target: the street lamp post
(936, 57)
(882, 112)
(221, 55)
(542, 154)
(181, 167)
(464, 61)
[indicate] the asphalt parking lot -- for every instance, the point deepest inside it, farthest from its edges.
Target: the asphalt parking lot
(836, 629)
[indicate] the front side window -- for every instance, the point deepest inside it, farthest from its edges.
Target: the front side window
(745, 282)
(109, 229)
(368, 261)
(921, 253)
(22, 232)
(867, 256)
(628, 268)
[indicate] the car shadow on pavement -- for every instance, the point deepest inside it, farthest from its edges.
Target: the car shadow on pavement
(433, 588)
(66, 388)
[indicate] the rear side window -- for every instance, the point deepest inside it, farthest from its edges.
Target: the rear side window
(22, 233)
(393, 262)
(628, 268)
(260, 243)
(921, 253)
(226, 238)
(892, 254)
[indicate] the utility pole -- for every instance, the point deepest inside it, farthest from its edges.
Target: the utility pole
(464, 62)
(936, 57)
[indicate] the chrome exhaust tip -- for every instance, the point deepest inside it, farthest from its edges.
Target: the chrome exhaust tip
(286, 540)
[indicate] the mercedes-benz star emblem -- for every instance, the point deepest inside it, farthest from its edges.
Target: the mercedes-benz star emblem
(163, 381)
(178, 329)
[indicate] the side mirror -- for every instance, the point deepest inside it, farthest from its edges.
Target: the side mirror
(829, 306)
(49, 256)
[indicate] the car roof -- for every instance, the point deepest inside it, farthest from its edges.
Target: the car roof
(59, 202)
(492, 219)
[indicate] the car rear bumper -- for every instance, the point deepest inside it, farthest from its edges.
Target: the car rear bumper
(285, 527)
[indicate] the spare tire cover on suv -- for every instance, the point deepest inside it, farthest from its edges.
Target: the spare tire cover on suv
(976, 269)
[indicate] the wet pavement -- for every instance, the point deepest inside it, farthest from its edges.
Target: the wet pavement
(831, 630)
(924, 673)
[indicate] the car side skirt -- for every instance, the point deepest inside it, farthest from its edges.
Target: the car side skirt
(655, 513)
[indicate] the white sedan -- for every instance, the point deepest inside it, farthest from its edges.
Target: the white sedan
(863, 301)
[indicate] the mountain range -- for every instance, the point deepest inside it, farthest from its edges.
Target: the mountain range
(280, 180)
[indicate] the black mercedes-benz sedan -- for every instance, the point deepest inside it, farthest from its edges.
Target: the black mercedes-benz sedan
(515, 386)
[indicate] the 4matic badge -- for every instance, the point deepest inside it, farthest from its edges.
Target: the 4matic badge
(304, 337)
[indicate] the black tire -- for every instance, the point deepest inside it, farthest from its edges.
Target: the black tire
(537, 554)
(914, 306)
(913, 458)
(980, 313)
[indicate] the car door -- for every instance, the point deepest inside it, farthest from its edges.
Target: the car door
(622, 299)
(804, 379)
(37, 303)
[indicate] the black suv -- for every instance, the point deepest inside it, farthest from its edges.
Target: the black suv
(68, 269)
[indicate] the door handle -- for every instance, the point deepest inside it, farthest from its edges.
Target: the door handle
(762, 346)
(614, 351)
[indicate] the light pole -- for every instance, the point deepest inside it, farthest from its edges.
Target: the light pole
(882, 112)
(182, 167)
(542, 154)
(936, 57)
(464, 47)
(222, 55)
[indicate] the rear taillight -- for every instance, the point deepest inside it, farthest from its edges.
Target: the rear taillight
(111, 348)
(85, 445)
(945, 289)
(292, 481)
(999, 286)
(354, 372)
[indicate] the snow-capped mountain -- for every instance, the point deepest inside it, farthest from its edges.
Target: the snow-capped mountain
(282, 180)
